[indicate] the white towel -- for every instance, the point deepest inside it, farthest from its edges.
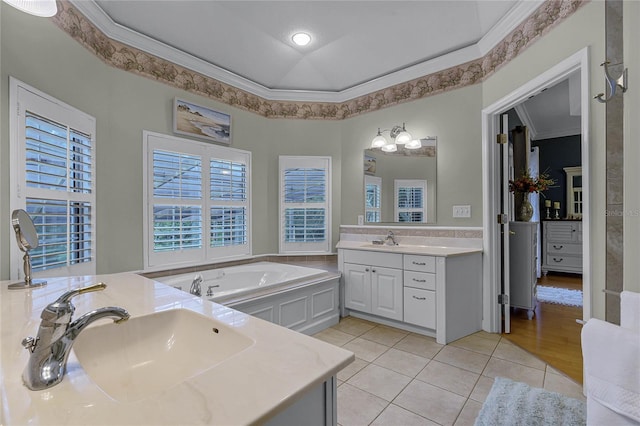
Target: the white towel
(612, 366)
(630, 310)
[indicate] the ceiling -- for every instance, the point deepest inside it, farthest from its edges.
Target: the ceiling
(357, 47)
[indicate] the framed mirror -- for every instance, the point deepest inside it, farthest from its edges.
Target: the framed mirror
(400, 187)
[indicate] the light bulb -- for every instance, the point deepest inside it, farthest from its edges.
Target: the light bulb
(301, 39)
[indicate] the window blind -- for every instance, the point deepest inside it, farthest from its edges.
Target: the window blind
(410, 200)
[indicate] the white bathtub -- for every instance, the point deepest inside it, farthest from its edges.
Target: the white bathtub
(297, 297)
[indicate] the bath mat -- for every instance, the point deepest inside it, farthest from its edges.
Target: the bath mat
(515, 403)
(560, 296)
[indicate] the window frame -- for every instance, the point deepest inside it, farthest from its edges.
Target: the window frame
(409, 183)
(161, 260)
(23, 97)
(290, 161)
(376, 211)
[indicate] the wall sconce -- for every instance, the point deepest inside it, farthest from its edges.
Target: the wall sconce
(42, 8)
(399, 136)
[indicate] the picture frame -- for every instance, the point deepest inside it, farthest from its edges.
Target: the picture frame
(201, 122)
(369, 165)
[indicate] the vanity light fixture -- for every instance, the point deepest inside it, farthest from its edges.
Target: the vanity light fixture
(42, 8)
(399, 136)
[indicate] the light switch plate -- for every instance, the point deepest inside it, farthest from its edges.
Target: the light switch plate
(462, 211)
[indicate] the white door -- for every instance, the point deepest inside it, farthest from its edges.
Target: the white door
(504, 226)
(357, 287)
(386, 292)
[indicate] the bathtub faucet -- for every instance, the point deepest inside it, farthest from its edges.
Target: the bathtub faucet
(196, 288)
(50, 349)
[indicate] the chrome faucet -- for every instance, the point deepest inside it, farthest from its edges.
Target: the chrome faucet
(196, 288)
(56, 335)
(390, 240)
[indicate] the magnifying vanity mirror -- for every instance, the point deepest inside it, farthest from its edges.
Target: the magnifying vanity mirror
(27, 238)
(400, 186)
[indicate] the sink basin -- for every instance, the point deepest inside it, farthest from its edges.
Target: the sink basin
(149, 354)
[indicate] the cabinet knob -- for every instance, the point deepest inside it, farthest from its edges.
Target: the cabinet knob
(373, 270)
(366, 269)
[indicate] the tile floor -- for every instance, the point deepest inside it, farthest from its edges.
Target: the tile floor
(401, 378)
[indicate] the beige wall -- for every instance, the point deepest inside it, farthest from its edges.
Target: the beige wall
(454, 117)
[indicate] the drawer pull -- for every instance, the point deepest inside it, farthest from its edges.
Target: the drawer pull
(419, 263)
(557, 247)
(419, 298)
(419, 281)
(558, 260)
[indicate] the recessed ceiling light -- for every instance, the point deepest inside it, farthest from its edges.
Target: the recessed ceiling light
(301, 39)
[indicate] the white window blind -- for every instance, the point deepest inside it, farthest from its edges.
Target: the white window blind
(53, 172)
(198, 201)
(373, 198)
(304, 204)
(410, 196)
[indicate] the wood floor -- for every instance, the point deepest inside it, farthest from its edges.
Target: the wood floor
(553, 334)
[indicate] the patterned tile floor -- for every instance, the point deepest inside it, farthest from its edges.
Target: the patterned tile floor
(402, 378)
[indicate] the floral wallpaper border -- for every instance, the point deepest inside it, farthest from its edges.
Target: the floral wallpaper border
(131, 59)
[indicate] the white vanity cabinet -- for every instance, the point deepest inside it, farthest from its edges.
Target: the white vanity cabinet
(438, 296)
(375, 283)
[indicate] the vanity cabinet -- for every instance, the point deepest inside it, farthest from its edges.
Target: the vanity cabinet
(562, 249)
(438, 296)
(373, 288)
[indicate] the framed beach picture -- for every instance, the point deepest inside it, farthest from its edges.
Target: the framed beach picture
(201, 122)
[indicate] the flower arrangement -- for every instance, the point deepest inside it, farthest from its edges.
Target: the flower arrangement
(527, 184)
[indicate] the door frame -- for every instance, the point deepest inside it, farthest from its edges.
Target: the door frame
(491, 182)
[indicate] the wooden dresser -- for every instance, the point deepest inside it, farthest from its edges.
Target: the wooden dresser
(562, 246)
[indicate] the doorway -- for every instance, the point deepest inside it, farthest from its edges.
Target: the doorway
(493, 184)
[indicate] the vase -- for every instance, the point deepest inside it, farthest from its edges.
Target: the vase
(525, 212)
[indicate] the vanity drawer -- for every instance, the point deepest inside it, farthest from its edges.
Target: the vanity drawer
(423, 280)
(365, 257)
(418, 263)
(420, 307)
(564, 248)
(567, 261)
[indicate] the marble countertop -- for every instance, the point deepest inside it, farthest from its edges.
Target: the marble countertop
(249, 387)
(427, 250)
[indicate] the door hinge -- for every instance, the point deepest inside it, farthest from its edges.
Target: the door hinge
(502, 218)
(503, 299)
(501, 138)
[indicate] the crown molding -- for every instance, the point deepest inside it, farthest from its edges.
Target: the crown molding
(496, 34)
(523, 114)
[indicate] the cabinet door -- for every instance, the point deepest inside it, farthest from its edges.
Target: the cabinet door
(357, 287)
(386, 292)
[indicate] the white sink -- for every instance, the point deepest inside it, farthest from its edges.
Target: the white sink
(149, 354)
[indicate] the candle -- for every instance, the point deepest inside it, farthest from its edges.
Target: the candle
(547, 203)
(556, 204)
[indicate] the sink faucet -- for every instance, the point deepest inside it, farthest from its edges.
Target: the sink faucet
(50, 350)
(196, 289)
(390, 240)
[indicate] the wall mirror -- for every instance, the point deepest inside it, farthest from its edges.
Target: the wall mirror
(27, 239)
(400, 186)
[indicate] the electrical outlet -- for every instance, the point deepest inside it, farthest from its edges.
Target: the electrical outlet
(462, 211)
(360, 220)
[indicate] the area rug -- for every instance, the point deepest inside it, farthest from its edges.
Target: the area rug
(515, 403)
(561, 296)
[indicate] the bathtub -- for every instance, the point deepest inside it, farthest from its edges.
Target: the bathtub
(297, 297)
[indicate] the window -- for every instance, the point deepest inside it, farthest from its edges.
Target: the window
(52, 165)
(305, 206)
(372, 198)
(198, 197)
(410, 196)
